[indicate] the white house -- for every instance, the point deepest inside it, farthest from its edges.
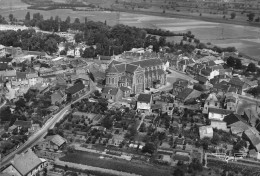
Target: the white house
(206, 131)
(211, 102)
(218, 114)
(144, 102)
(25, 164)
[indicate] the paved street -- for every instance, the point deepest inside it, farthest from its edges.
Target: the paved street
(2, 104)
(34, 139)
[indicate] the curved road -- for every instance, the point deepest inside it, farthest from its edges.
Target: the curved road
(35, 138)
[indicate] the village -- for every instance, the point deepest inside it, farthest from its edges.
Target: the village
(140, 106)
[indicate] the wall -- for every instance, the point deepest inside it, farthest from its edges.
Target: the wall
(143, 106)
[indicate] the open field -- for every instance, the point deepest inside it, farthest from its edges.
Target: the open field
(245, 38)
(93, 159)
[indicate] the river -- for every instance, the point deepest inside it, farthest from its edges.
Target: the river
(245, 38)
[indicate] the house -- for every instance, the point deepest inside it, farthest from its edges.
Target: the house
(231, 101)
(76, 90)
(144, 102)
(112, 93)
(179, 85)
(116, 140)
(183, 63)
(238, 84)
(58, 97)
(25, 164)
(211, 102)
(186, 94)
(253, 137)
(126, 91)
(21, 124)
(54, 142)
(181, 156)
(83, 77)
(206, 131)
(217, 114)
(202, 79)
(220, 125)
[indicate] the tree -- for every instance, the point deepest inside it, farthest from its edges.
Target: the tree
(77, 21)
(78, 37)
(67, 20)
(198, 87)
(233, 15)
(50, 46)
(251, 67)
(251, 16)
(11, 17)
(178, 172)
(28, 16)
(148, 148)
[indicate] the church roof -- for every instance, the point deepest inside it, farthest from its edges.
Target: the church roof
(147, 63)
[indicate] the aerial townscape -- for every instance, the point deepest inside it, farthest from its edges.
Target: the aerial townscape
(129, 88)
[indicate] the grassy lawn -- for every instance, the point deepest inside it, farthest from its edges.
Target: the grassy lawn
(93, 159)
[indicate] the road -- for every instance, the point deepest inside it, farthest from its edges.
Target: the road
(35, 138)
(2, 104)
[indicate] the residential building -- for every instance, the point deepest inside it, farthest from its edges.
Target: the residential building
(237, 83)
(179, 86)
(231, 101)
(144, 102)
(76, 90)
(186, 94)
(217, 114)
(83, 77)
(220, 125)
(112, 93)
(211, 102)
(137, 75)
(23, 124)
(206, 131)
(54, 142)
(25, 164)
(253, 137)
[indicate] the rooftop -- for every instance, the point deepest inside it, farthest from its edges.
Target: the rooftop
(146, 98)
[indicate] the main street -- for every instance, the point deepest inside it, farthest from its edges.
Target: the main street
(35, 138)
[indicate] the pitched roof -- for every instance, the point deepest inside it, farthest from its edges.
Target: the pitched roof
(181, 158)
(201, 78)
(110, 90)
(5, 59)
(146, 98)
(233, 118)
(22, 123)
(3, 66)
(254, 138)
(184, 94)
(206, 71)
(181, 82)
(21, 75)
(147, 63)
(130, 68)
(26, 162)
(75, 88)
(124, 89)
(112, 69)
(120, 67)
(220, 111)
(236, 81)
(56, 139)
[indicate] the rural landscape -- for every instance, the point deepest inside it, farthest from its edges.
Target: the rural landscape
(129, 88)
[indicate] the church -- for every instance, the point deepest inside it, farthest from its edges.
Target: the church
(136, 75)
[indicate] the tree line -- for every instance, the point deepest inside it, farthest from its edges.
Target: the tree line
(31, 40)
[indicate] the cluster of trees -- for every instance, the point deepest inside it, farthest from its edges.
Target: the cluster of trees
(234, 62)
(31, 40)
(2, 20)
(255, 91)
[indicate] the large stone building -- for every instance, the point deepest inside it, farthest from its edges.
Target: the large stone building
(136, 75)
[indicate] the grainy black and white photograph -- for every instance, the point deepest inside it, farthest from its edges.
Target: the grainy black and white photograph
(129, 87)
